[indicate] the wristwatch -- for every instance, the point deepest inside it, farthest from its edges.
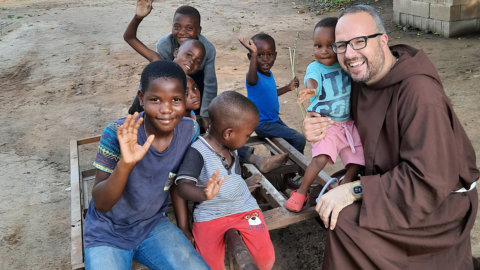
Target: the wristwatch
(357, 190)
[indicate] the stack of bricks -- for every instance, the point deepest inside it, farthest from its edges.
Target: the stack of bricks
(446, 17)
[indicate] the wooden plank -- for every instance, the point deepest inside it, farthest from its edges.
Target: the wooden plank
(240, 252)
(254, 140)
(88, 140)
(297, 157)
(268, 189)
(76, 232)
(280, 217)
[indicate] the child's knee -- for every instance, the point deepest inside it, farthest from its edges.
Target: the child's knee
(265, 259)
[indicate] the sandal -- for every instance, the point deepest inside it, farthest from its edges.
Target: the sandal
(296, 201)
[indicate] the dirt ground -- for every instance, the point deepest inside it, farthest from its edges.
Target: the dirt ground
(65, 73)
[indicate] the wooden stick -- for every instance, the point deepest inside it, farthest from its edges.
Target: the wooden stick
(292, 65)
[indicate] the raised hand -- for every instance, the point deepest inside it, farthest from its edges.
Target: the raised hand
(127, 135)
(143, 8)
(305, 94)
(248, 44)
(213, 186)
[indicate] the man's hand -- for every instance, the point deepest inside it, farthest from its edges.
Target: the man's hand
(332, 202)
(249, 45)
(143, 8)
(315, 126)
(213, 186)
(127, 135)
(305, 94)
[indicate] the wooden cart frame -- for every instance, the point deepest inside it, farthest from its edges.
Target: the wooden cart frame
(275, 218)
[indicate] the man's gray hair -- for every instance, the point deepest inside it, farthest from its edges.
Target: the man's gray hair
(370, 10)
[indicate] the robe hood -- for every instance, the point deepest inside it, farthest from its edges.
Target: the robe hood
(408, 57)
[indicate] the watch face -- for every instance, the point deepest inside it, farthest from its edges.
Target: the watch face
(357, 190)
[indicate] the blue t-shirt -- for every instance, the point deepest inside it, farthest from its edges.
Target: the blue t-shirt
(264, 95)
(145, 197)
(332, 96)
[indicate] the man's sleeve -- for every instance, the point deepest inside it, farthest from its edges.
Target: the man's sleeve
(191, 166)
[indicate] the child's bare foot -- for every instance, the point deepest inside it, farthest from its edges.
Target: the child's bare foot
(266, 164)
(253, 181)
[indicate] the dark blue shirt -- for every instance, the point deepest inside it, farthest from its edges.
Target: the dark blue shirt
(145, 196)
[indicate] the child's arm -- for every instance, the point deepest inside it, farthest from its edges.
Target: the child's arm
(144, 7)
(289, 87)
(108, 188)
(181, 213)
(311, 83)
(188, 190)
(252, 76)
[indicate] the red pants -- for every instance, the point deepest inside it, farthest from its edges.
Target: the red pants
(210, 242)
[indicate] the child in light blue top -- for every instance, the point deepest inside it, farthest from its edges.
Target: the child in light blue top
(330, 87)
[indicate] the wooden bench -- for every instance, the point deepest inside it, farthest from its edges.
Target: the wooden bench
(276, 217)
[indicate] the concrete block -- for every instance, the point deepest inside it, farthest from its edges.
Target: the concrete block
(410, 20)
(459, 2)
(402, 5)
(445, 12)
(424, 24)
(452, 29)
(403, 19)
(396, 17)
(438, 27)
(470, 11)
(421, 9)
(431, 25)
(417, 22)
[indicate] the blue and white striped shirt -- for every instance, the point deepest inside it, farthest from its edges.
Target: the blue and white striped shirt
(198, 165)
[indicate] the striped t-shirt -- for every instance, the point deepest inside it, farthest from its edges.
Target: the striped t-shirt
(198, 165)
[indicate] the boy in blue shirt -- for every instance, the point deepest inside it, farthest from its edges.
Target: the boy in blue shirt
(262, 90)
(329, 87)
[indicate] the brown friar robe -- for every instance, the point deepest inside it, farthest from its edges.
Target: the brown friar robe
(416, 154)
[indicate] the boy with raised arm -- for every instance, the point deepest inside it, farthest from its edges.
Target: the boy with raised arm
(186, 25)
(262, 90)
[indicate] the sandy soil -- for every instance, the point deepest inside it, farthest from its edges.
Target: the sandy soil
(65, 72)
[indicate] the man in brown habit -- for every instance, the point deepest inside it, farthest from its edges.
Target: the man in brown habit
(416, 203)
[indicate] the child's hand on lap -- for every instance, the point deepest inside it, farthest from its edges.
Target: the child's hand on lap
(249, 45)
(143, 8)
(213, 186)
(127, 134)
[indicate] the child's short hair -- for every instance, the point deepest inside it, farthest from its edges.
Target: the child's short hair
(326, 22)
(188, 10)
(265, 37)
(162, 69)
(195, 42)
(229, 106)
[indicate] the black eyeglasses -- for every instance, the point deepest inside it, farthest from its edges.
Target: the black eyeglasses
(356, 43)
